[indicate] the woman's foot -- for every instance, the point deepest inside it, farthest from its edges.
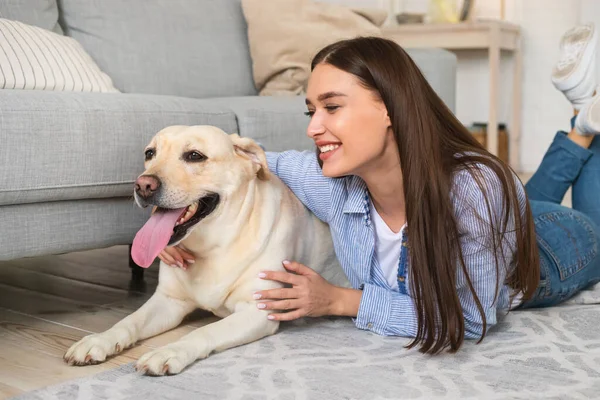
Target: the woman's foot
(575, 72)
(587, 122)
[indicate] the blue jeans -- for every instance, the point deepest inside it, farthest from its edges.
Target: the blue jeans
(567, 238)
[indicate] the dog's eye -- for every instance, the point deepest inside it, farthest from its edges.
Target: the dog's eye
(194, 156)
(149, 154)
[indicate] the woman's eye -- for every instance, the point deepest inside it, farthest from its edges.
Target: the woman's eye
(330, 109)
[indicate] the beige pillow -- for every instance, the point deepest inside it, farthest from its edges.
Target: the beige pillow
(33, 58)
(284, 36)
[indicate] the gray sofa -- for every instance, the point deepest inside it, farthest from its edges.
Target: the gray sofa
(68, 160)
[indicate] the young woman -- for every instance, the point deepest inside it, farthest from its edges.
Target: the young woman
(436, 235)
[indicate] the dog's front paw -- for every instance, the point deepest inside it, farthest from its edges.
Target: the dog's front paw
(92, 349)
(167, 360)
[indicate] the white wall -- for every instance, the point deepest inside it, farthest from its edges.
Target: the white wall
(542, 22)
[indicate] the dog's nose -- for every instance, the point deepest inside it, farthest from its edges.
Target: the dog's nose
(146, 186)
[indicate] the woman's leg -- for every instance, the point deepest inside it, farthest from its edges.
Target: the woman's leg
(559, 169)
(568, 162)
(586, 188)
(568, 242)
(568, 239)
(574, 75)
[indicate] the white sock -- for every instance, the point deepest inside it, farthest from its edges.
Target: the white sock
(588, 120)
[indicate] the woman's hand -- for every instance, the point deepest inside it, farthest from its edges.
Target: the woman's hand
(310, 294)
(176, 257)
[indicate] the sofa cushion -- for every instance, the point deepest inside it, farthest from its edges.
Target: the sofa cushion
(283, 66)
(41, 13)
(277, 122)
(64, 146)
(178, 47)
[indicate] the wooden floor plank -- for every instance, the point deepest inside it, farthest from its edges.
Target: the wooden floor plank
(63, 287)
(31, 352)
(7, 391)
(76, 314)
(87, 318)
(106, 267)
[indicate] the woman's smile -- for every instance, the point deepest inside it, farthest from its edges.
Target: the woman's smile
(327, 149)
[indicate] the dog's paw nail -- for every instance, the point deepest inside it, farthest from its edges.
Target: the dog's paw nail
(87, 358)
(165, 369)
(118, 348)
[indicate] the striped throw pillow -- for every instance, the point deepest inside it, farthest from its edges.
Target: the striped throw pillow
(37, 59)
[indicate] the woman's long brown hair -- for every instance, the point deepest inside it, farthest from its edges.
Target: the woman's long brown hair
(429, 137)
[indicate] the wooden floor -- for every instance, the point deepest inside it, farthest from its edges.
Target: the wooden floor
(48, 303)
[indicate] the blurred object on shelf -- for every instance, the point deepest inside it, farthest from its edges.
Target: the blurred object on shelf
(406, 18)
(441, 11)
(449, 11)
(466, 11)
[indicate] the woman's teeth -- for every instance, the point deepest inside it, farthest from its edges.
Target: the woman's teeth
(328, 147)
(191, 210)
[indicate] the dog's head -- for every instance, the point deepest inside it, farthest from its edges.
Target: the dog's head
(189, 170)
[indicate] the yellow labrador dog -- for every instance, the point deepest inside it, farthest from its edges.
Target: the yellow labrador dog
(213, 195)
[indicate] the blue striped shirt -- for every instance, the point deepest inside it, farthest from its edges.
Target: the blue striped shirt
(343, 203)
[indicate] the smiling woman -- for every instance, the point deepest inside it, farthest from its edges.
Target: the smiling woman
(391, 151)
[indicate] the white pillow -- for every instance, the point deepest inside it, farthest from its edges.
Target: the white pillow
(36, 58)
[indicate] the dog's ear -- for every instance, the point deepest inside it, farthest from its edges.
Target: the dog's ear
(248, 148)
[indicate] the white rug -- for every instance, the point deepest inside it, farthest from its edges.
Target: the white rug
(549, 353)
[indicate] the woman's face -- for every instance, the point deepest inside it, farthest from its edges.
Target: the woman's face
(349, 124)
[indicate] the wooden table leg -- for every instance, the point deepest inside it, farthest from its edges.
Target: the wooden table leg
(515, 129)
(494, 64)
(137, 272)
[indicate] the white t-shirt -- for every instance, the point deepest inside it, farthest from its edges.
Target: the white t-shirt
(388, 246)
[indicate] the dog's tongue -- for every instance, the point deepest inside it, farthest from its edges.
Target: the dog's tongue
(154, 236)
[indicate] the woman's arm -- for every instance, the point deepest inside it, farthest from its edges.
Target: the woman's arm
(301, 172)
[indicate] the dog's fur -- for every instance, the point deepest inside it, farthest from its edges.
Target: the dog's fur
(257, 224)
